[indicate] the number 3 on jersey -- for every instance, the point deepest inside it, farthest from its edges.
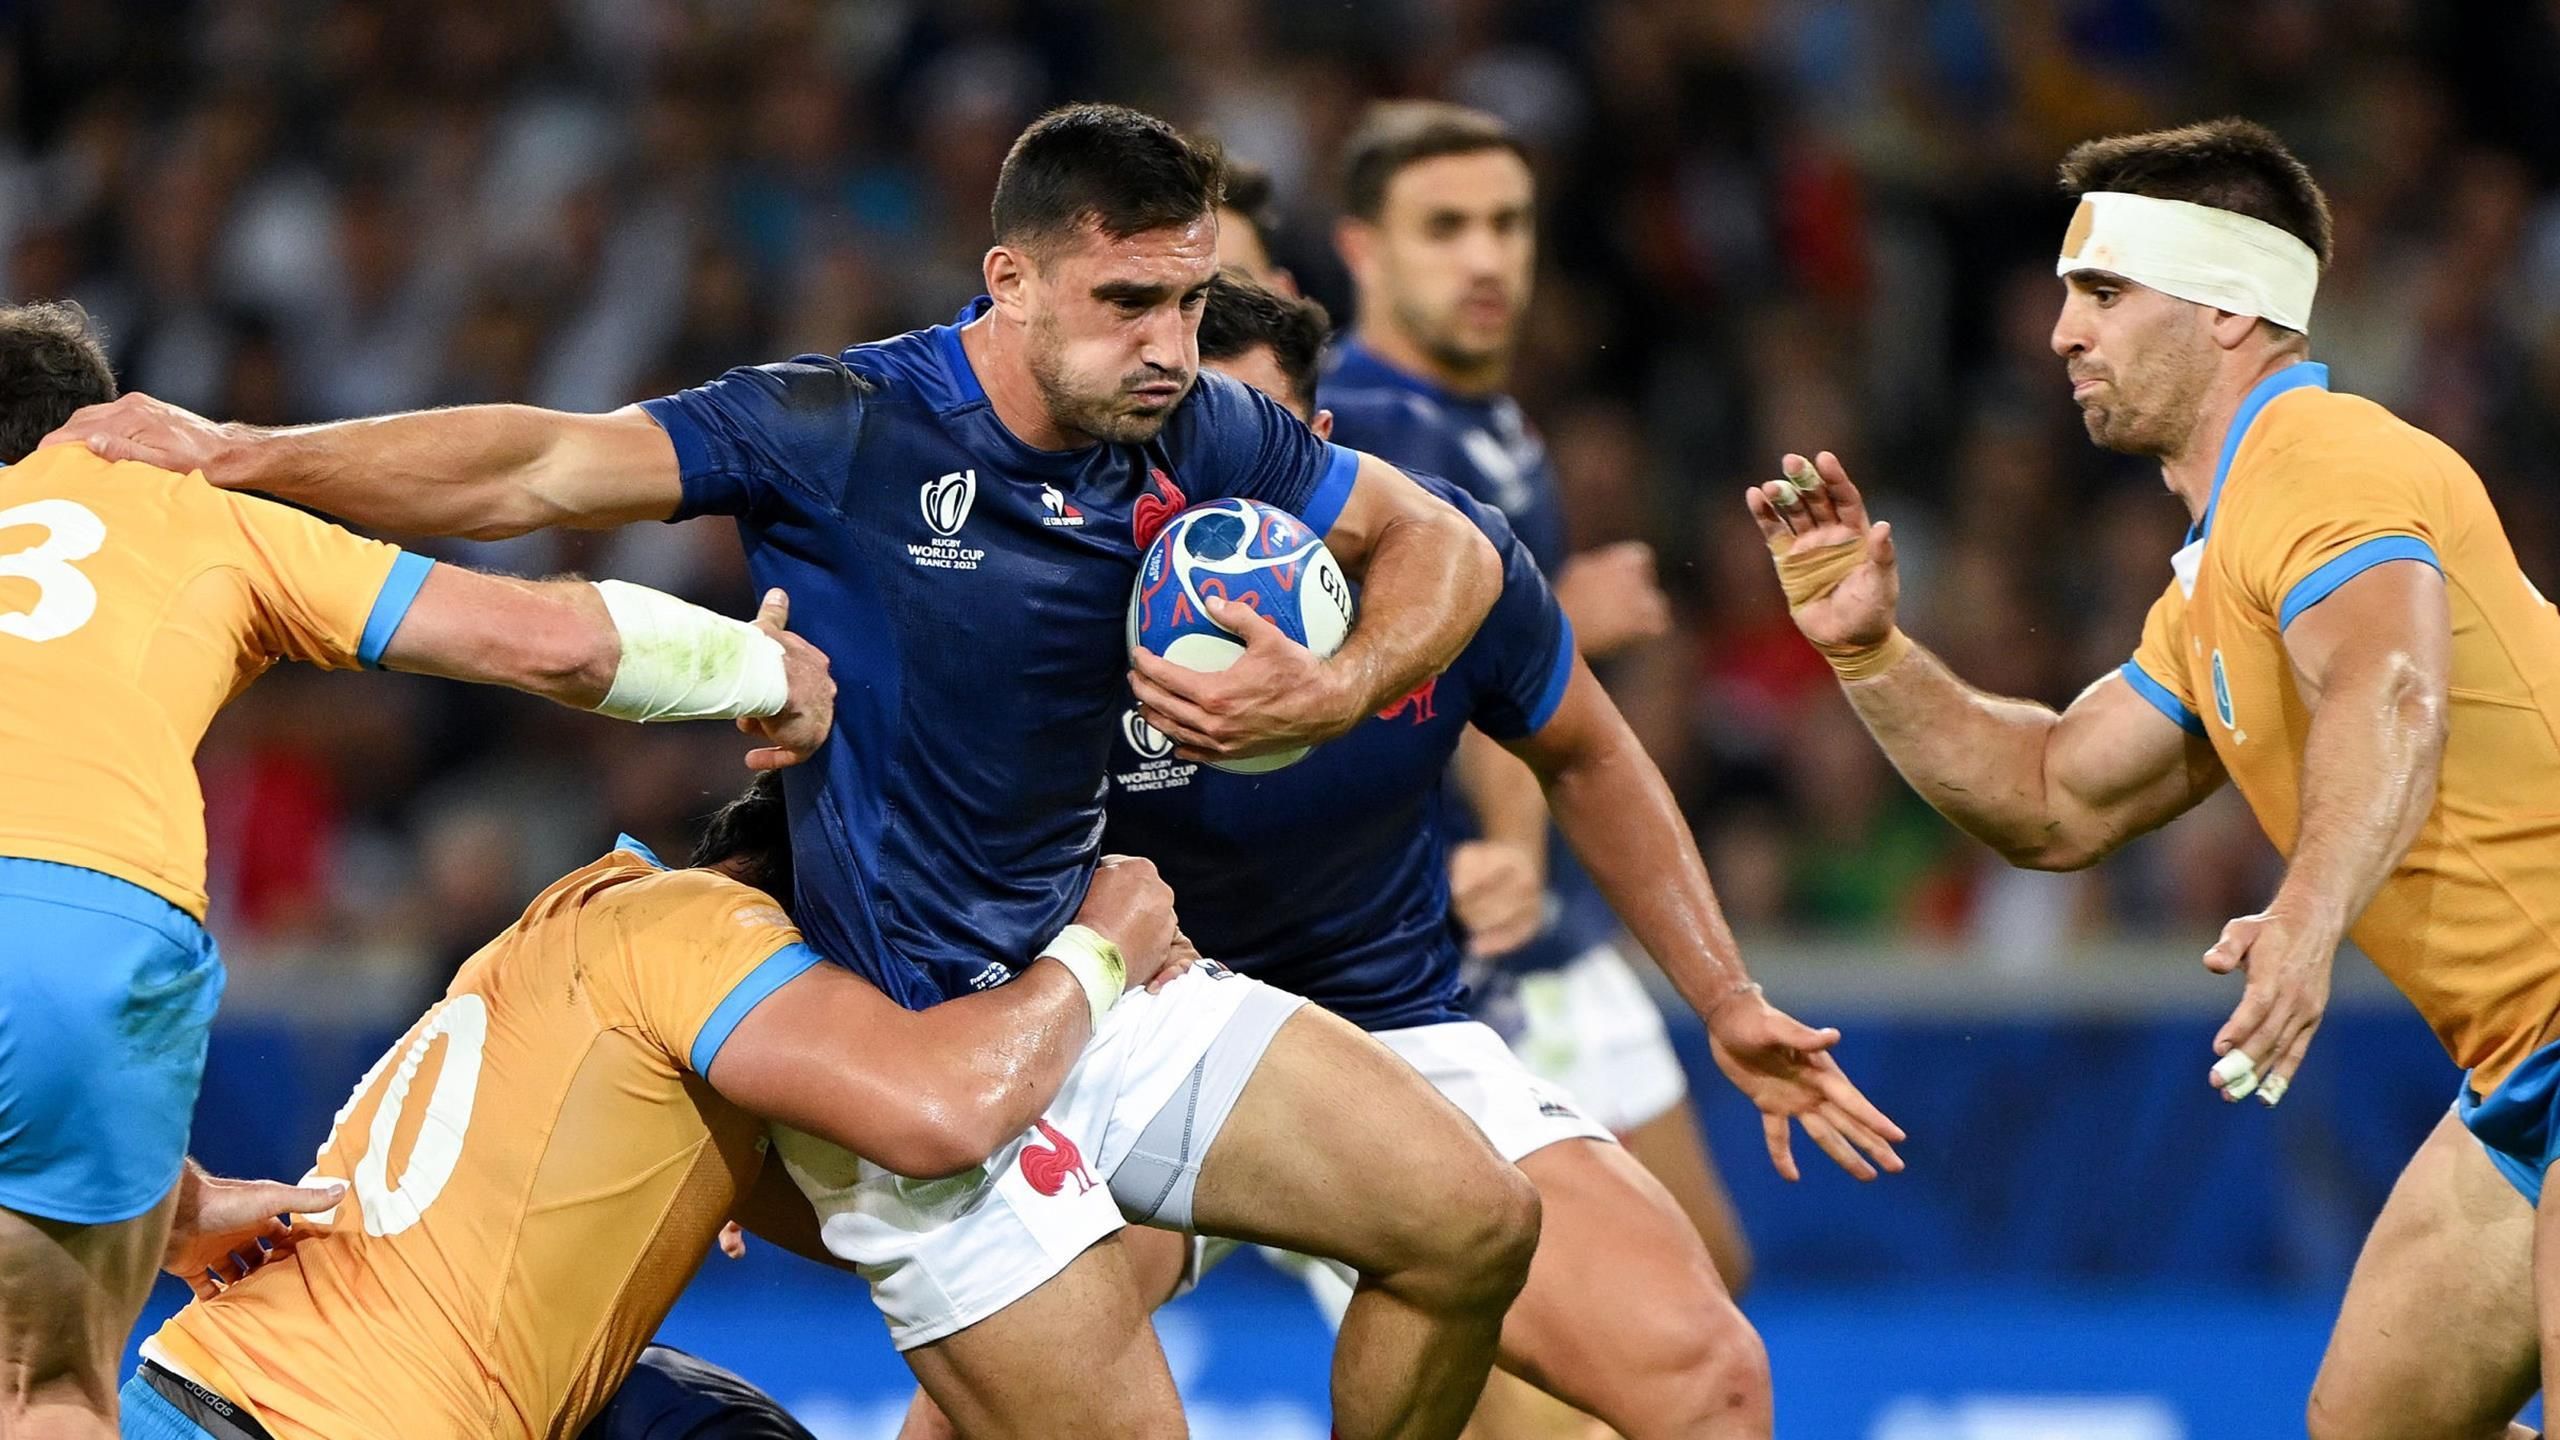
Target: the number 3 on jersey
(462, 1022)
(64, 597)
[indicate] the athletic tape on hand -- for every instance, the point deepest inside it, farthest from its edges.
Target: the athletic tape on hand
(1095, 962)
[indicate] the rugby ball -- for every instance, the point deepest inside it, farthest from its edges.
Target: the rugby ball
(1248, 553)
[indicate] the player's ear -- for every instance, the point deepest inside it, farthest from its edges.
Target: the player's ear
(2230, 331)
(1007, 272)
(1322, 424)
(1356, 241)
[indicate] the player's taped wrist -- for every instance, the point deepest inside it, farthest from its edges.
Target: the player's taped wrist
(682, 662)
(1808, 573)
(1095, 961)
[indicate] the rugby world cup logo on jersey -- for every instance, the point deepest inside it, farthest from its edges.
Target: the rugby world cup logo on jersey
(946, 500)
(1157, 769)
(2222, 698)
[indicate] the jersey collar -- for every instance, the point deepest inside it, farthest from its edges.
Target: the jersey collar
(1356, 364)
(955, 359)
(625, 842)
(2302, 374)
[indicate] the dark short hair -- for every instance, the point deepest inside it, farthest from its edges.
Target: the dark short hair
(1396, 133)
(1242, 317)
(2230, 164)
(51, 363)
(1249, 193)
(1120, 170)
(752, 835)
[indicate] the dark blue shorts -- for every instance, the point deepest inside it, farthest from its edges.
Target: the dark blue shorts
(673, 1396)
(107, 992)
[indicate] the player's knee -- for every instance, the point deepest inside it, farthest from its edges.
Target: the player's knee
(1723, 1365)
(1488, 1238)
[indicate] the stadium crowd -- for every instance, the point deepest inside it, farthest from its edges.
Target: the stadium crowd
(1767, 225)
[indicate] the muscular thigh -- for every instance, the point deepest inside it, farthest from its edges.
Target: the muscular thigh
(70, 1293)
(2436, 1339)
(1339, 1148)
(1075, 1359)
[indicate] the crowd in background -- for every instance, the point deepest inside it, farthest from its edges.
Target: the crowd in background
(1768, 225)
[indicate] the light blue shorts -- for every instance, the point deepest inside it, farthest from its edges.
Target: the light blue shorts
(106, 994)
(2519, 1123)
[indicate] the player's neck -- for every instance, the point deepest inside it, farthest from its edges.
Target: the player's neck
(1390, 343)
(2190, 472)
(994, 351)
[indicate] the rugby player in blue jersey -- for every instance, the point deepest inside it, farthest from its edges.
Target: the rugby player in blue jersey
(1440, 239)
(960, 512)
(1330, 879)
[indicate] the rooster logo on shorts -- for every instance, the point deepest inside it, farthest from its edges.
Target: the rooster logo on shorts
(1049, 1167)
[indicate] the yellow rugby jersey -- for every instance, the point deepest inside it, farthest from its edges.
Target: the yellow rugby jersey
(134, 603)
(536, 1169)
(2314, 488)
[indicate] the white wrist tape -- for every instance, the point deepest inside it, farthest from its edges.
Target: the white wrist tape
(1096, 964)
(681, 662)
(2200, 254)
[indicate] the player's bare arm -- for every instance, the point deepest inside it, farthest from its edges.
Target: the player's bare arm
(1427, 577)
(623, 650)
(1498, 881)
(1619, 814)
(486, 471)
(930, 1093)
(2048, 791)
(2372, 662)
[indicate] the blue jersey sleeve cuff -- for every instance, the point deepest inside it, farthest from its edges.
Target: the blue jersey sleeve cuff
(2320, 584)
(1325, 502)
(391, 605)
(1559, 676)
(2162, 699)
(779, 969)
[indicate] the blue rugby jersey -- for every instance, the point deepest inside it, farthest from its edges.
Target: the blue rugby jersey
(971, 591)
(1331, 878)
(1488, 447)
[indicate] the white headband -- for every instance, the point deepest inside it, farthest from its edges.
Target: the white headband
(2195, 252)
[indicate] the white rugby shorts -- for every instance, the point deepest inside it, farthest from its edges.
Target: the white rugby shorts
(1592, 1028)
(942, 1255)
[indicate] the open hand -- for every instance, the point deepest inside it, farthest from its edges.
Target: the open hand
(1814, 510)
(2262, 1044)
(134, 426)
(1784, 1067)
(224, 1229)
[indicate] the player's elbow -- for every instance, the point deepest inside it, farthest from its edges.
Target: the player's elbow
(2057, 847)
(937, 1148)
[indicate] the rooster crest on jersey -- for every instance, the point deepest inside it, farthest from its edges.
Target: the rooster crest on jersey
(1049, 1167)
(1246, 553)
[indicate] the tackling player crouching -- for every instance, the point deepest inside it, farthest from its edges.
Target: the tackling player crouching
(536, 1169)
(2347, 638)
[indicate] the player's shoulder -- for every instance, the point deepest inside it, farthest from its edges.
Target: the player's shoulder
(73, 470)
(2320, 449)
(632, 887)
(924, 368)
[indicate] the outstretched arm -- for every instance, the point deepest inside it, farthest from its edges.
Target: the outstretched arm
(2048, 791)
(485, 471)
(638, 655)
(1628, 831)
